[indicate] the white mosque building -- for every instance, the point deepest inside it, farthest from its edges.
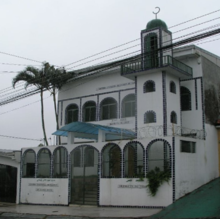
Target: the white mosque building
(151, 114)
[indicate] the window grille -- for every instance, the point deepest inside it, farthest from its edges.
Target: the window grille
(133, 160)
(89, 157)
(28, 168)
(151, 59)
(185, 99)
(60, 163)
(128, 106)
(158, 156)
(172, 87)
(72, 113)
(44, 159)
(77, 158)
(108, 109)
(111, 161)
(188, 146)
(89, 111)
(150, 117)
(173, 117)
(149, 86)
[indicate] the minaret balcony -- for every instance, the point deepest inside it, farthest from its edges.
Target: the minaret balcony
(166, 63)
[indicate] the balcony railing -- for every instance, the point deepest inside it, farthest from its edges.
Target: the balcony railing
(150, 63)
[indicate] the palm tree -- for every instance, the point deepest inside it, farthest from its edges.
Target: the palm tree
(36, 77)
(56, 79)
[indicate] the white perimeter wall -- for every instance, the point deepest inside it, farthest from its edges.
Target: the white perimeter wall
(115, 192)
(44, 191)
(195, 169)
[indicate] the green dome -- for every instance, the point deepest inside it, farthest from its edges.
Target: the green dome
(156, 23)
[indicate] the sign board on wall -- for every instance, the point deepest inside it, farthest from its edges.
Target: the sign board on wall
(44, 191)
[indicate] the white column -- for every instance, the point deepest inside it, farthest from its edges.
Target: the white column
(101, 136)
(70, 138)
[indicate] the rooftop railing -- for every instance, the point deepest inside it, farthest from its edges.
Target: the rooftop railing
(152, 62)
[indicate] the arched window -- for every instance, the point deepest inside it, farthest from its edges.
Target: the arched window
(185, 99)
(172, 87)
(60, 167)
(44, 159)
(72, 113)
(28, 167)
(173, 117)
(111, 161)
(149, 86)
(128, 106)
(150, 117)
(151, 49)
(133, 160)
(89, 111)
(158, 156)
(108, 109)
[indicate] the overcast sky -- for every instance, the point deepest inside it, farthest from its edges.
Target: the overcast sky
(64, 31)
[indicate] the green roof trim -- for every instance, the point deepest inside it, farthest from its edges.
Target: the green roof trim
(156, 23)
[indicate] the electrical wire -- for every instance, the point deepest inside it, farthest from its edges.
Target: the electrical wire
(18, 64)
(184, 41)
(21, 138)
(49, 96)
(139, 38)
(121, 50)
(187, 34)
(164, 42)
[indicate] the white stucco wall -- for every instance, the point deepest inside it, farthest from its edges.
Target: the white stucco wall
(114, 192)
(192, 170)
(193, 119)
(151, 100)
(173, 102)
(44, 191)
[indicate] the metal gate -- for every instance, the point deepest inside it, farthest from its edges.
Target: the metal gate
(84, 175)
(8, 183)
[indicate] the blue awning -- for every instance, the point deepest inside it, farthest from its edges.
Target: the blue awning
(90, 131)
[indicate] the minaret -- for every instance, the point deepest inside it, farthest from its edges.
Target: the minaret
(157, 81)
(153, 39)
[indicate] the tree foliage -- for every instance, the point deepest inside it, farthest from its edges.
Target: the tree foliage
(46, 78)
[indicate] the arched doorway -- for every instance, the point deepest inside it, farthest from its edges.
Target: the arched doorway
(84, 175)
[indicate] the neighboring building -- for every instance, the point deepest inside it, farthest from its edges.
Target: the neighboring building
(118, 124)
(9, 176)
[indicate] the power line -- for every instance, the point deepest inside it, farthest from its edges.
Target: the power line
(139, 39)
(182, 42)
(23, 106)
(179, 43)
(17, 64)
(195, 18)
(20, 57)
(67, 89)
(114, 52)
(186, 41)
(164, 42)
(21, 138)
(9, 72)
(209, 41)
(139, 44)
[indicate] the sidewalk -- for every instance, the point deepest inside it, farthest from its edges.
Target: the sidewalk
(75, 211)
